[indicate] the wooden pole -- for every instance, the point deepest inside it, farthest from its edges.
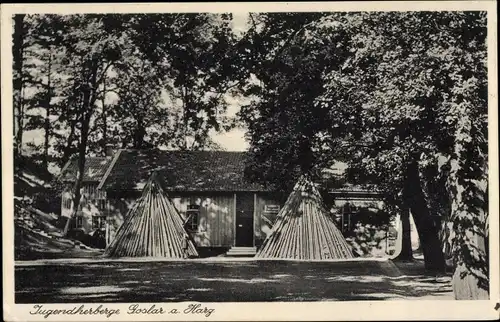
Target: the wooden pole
(152, 228)
(304, 230)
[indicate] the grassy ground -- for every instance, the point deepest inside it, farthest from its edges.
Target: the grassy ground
(218, 281)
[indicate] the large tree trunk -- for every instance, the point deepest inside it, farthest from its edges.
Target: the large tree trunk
(428, 232)
(469, 283)
(404, 251)
(76, 190)
(305, 155)
(81, 171)
(139, 134)
(87, 109)
(185, 118)
(18, 58)
(469, 241)
(470, 280)
(73, 119)
(48, 98)
(68, 149)
(104, 118)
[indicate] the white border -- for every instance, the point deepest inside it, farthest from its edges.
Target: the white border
(366, 310)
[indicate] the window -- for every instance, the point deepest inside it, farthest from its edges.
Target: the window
(78, 222)
(67, 203)
(346, 221)
(101, 204)
(347, 211)
(192, 218)
(89, 191)
(98, 222)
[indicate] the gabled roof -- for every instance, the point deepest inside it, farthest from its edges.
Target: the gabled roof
(179, 171)
(95, 168)
(129, 169)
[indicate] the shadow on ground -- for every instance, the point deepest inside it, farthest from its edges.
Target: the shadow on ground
(220, 282)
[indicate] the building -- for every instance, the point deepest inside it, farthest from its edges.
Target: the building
(92, 208)
(221, 209)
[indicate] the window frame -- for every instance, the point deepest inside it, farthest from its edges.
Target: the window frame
(101, 204)
(346, 212)
(67, 203)
(192, 222)
(101, 221)
(78, 222)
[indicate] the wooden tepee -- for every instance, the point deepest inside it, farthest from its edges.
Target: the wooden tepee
(152, 228)
(304, 229)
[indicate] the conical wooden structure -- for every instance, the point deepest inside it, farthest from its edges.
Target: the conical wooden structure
(304, 229)
(152, 228)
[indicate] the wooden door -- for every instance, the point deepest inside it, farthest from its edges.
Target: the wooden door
(244, 219)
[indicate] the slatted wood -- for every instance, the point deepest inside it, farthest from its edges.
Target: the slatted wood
(152, 228)
(304, 229)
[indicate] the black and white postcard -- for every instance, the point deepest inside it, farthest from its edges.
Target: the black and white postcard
(250, 161)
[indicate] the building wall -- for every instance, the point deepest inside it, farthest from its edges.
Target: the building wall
(215, 217)
(368, 238)
(66, 203)
(92, 204)
(215, 220)
(117, 209)
(266, 210)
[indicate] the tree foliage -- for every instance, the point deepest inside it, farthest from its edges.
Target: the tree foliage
(195, 53)
(285, 77)
(402, 98)
(153, 73)
(87, 81)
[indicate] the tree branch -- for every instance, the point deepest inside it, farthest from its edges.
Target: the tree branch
(104, 72)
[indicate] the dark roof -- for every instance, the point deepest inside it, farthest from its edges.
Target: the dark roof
(179, 170)
(95, 168)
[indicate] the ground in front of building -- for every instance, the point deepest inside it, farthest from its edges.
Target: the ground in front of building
(224, 280)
